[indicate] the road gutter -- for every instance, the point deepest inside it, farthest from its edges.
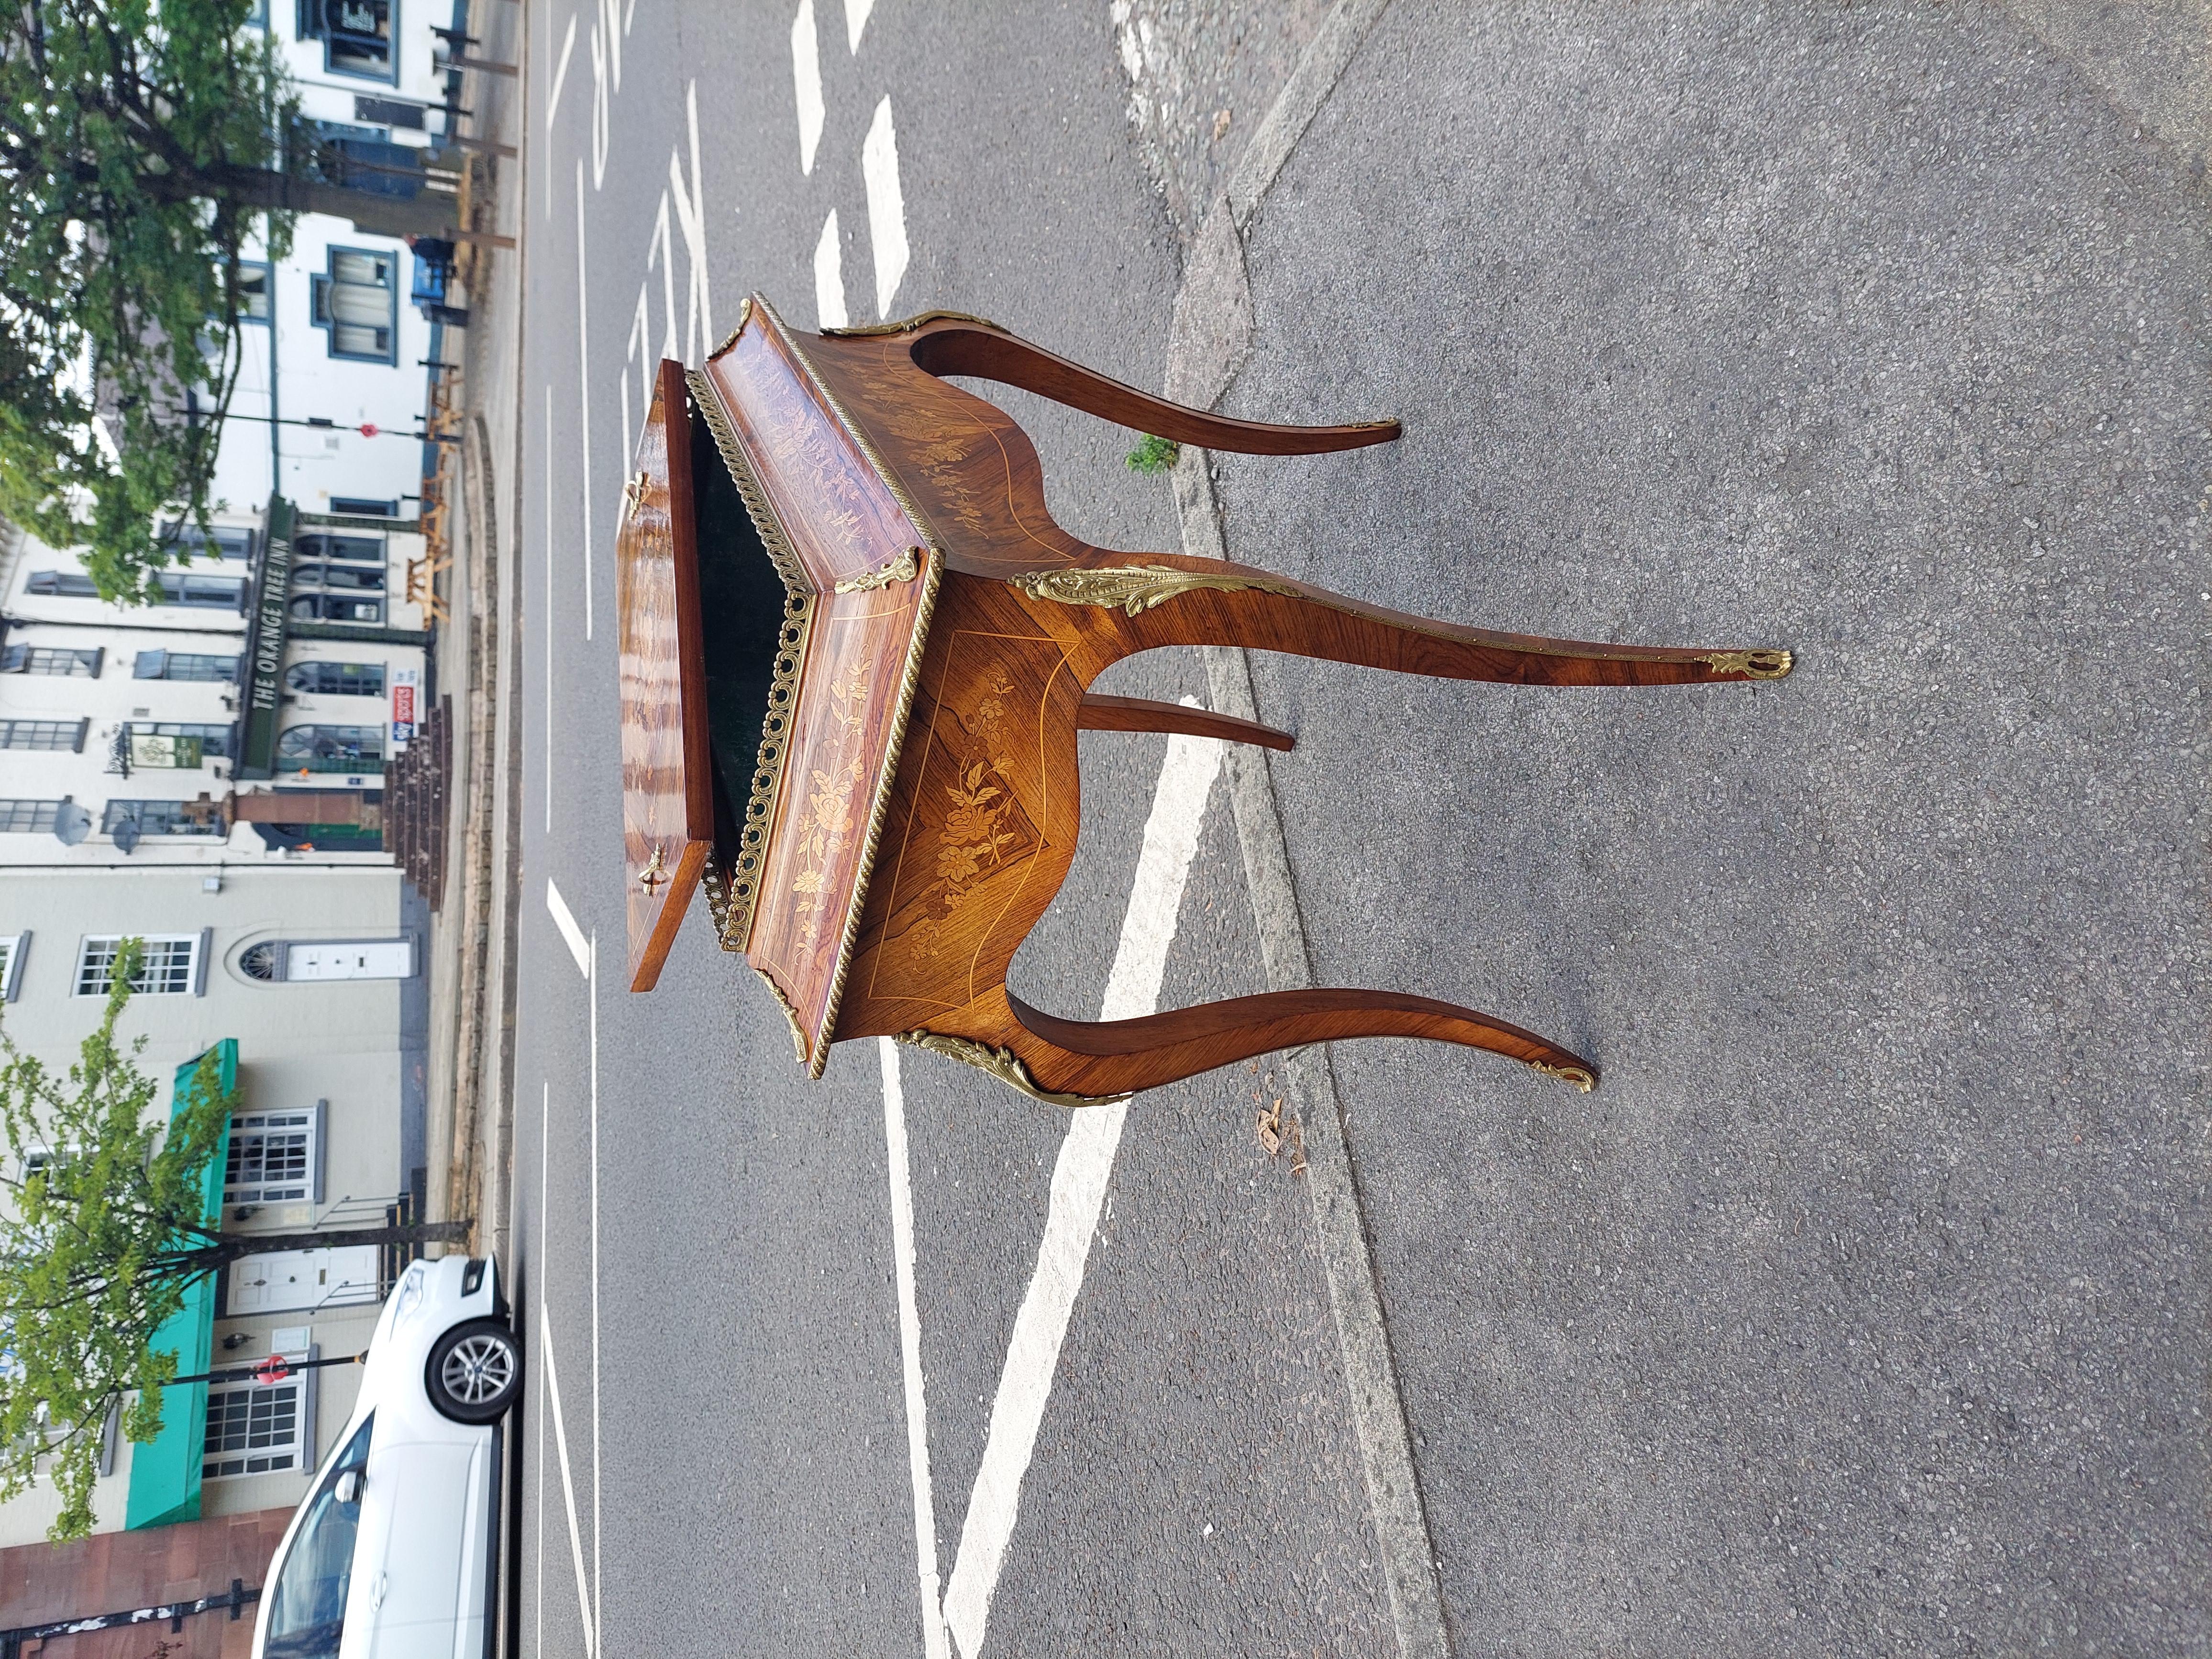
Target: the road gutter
(1211, 338)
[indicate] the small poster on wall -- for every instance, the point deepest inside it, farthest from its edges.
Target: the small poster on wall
(404, 684)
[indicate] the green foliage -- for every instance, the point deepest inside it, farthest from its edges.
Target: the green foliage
(1154, 454)
(103, 1241)
(137, 143)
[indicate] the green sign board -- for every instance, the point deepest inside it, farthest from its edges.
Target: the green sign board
(264, 645)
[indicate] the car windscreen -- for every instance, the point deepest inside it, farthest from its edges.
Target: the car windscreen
(307, 1602)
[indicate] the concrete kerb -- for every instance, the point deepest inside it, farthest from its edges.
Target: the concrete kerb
(1212, 336)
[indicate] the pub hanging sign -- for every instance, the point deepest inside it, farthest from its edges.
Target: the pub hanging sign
(264, 645)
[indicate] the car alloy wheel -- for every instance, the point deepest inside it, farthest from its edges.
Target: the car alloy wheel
(475, 1372)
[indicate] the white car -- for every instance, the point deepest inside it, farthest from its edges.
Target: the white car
(390, 1554)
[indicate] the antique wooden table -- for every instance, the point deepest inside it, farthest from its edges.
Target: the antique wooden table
(856, 651)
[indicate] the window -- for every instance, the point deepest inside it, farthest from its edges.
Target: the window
(254, 285)
(205, 592)
(337, 679)
(338, 579)
(254, 1429)
(356, 36)
(183, 665)
(359, 507)
(308, 1589)
(172, 967)
(163, 817)
(332, 607)
(43, 734)
(332, 748)
(320, 545)
(28, 818)
(359, 303)
(61, 584)
(222, 541)
(50, 659)
(385, 112)
(13, 947)
(272, 1158)
(36, 1160)
(157, 744)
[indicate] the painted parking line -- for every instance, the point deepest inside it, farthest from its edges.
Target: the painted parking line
(549, 607)
(829, 277)
(544, 1184)
(592, 988)
(584, 1596)
(584, 387)
(565, 919)
(886, 206)
(1079, 1178)
(856, 19)
(897, 1162)
(806, 83)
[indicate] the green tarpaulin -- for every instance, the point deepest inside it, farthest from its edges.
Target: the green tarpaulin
(164, 1472)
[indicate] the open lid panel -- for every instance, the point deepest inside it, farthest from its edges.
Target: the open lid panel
(668, 788)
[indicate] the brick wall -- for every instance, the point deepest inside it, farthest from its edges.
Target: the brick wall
(113, 1571)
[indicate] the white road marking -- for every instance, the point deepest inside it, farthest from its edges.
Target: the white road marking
(560, 78)
(565, 919)
(691, 219)
(909, 1319)
(584, 389)
(584, 1597)
(598, 1602)
(856, 19)
(661, 250)
(602, 108)
(549, 607)
(560, 69)
(886, 207)
(1079, 1188)
(829, 277)
(545, 1135)
(641, 330)
(616, 27)
(806, 79)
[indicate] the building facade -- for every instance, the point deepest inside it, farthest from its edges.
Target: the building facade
(312, 973)
(208, 772)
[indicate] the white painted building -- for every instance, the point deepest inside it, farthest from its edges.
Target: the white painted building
(314, 972)
(332, 335)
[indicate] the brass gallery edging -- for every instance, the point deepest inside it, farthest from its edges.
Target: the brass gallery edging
(781, 552)
(1003, 1064)
(732, 904)
(907, 324)
(924, 607)
(790, 1014)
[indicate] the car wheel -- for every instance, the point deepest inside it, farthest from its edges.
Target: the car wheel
(474, 1372)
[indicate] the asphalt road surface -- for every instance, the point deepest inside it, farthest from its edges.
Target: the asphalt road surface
(1863, 1308)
